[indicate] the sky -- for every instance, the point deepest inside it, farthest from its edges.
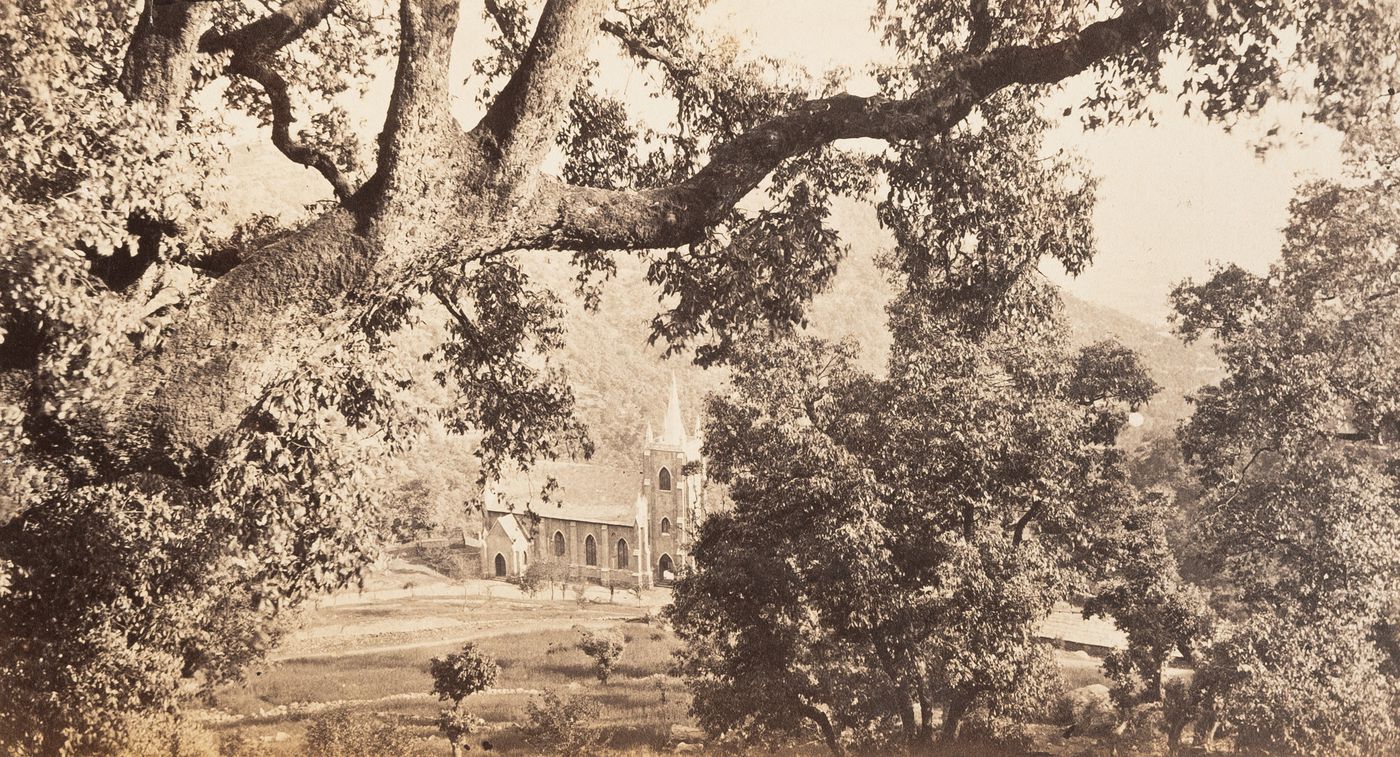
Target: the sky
(1172, 198)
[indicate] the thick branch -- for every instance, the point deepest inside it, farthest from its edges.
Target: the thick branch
(160, 59)
(252, 47)
(525, 118)
(829, 734)
(979, 26)
(583, 218)
(418, 149)
(1019, 529)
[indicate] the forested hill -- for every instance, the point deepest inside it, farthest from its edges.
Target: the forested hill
(621, 381)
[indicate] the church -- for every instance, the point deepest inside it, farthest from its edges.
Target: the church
(602, 524)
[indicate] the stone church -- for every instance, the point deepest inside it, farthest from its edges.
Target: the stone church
(602, 524)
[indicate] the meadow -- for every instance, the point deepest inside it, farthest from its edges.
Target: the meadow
(366, 657)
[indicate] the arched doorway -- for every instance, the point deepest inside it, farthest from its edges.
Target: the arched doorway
(500, 565)
(666, 569)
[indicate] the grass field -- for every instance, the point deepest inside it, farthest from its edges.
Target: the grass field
(369, 657)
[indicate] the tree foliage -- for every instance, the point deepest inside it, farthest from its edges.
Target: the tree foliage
(152, 351)
(953, 502)
(1294, 449)
(463, 673)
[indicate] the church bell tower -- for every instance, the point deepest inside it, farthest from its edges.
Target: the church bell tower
(673, 486)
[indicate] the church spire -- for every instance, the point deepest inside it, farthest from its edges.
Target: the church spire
(673, 432)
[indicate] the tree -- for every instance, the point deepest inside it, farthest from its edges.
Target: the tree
(461, 674)
(605, 647)
(1144, 593)
(456, 677)
(152, 352)
(952, 502)
(1294, 451)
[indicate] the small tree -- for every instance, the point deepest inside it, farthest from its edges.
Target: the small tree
(456, 677)
(605, 647)
(560, 724)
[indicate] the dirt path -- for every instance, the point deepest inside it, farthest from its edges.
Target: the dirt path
(488, 629)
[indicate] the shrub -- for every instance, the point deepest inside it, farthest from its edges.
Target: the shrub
(162, 735)
(1092, 712)
(530, 582)
(457, 723)
(605, 647)
(345, 734)
(560, 724)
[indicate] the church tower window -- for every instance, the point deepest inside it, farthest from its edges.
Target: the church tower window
(590, 551)
(665, 525)
(558, 543)
(663, 480)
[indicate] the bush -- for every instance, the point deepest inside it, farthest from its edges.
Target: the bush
(345, 734)
(456, 723)
(530, 582)
(166, 736)
(1091, 710)
(560, 725)
(605, 647)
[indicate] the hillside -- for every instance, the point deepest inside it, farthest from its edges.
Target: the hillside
(621, 381)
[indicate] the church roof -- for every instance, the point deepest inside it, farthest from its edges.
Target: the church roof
(595, 493)
(513, 531)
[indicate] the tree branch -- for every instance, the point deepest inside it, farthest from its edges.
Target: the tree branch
(979, 27)
(1018, 530)
(159, 61)
(252, 47)
(512, 34)
(647, 50)
(525, 118)
(577, 218)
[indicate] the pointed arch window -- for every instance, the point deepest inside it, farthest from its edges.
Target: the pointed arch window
(558, 543)
(622, 553)
(590, 551)
(665, 526)
(663, 480)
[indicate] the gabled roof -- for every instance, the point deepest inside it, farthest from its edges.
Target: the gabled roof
(513, 531)
(594, 493)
